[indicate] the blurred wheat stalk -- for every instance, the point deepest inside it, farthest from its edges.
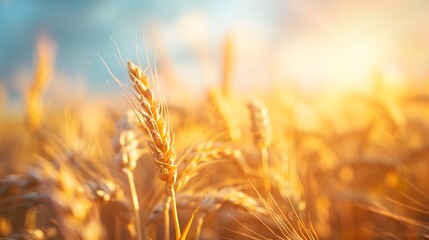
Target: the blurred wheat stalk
(44, 69)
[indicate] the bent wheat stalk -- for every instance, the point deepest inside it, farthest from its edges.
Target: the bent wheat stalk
(160, 138)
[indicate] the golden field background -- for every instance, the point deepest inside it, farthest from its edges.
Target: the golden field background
(325, 137)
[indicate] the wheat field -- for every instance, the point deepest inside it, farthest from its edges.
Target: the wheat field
(281, 164)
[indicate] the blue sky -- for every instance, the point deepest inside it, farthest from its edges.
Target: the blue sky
(82, 28)
(321, 44)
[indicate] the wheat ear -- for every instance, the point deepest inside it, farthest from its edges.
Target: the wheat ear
(160, 138)
(223, 111)
(262, 134)
(200, 156)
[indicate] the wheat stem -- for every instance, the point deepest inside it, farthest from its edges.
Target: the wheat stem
(135, 201)
(172, 195)
(31, 218)
(167, 219)
(199, 228)
(117, 226)
(264, 166)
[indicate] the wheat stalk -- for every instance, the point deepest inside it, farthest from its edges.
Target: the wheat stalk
(44, 69)
(128, 151)
(262, 134)
(160, 137)
(228, 65)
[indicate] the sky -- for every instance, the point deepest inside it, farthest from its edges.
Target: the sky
(332, 44)
(83, 30)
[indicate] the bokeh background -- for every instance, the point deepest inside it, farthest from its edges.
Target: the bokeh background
(330, 45)
(345, 84)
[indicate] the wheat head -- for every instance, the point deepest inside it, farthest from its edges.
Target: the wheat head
(154, 115)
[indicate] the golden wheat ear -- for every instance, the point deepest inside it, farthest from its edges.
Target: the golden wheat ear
(261, 130)
(223, 111)
(261, 124)
(155, 118)
(127, 142)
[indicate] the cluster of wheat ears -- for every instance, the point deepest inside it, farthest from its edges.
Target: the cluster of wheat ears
(284, 166)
